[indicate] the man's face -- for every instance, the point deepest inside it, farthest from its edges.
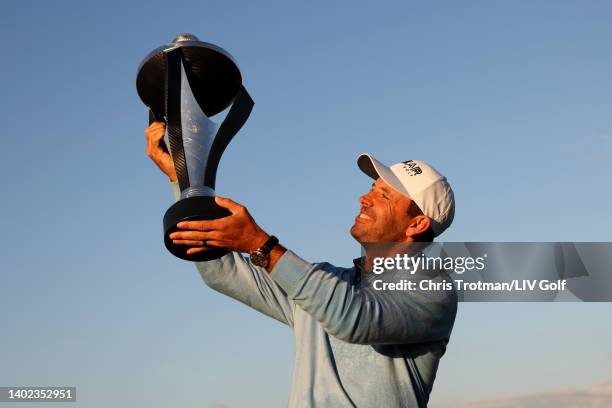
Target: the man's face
(383, 216)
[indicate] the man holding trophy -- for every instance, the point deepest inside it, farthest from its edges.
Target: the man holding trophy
(354, 346)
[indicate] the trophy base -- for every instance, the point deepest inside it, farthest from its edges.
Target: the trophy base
(192, 209)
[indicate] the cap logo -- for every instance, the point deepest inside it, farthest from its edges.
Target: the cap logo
(411, 168)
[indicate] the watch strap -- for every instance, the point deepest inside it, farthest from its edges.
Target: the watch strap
(266, 248)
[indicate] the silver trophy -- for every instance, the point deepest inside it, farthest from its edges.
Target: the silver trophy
(184, 83)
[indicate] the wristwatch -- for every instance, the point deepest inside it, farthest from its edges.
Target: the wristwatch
(261, 256)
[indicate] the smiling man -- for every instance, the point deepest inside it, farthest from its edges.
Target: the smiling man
(355, 346)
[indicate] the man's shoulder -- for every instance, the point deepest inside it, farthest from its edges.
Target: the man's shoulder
(333, 268)
(342, 272)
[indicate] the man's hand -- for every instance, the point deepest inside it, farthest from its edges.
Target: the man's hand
(237, 232)
(154, 134)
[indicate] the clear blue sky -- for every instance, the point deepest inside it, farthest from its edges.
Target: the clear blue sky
(511, 100)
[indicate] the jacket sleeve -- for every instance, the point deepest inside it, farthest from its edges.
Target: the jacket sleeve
(361, 314)
(235, 277)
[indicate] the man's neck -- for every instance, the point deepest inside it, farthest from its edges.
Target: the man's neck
(389, 250)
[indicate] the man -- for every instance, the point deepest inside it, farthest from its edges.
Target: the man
(355, 346)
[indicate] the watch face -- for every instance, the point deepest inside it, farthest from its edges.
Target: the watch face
(259, 259)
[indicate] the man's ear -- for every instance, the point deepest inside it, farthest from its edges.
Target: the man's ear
(418, 225)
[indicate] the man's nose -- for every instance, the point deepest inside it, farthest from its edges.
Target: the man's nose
(365, 200)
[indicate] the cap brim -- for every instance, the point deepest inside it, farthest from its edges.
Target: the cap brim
(375, 169)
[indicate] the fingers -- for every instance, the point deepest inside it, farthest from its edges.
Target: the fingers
(155, 131)
(192, 251)
(198, 249)
(194, 235)
(154, 134)
(229, 204)
(187, 242)
(210, 225)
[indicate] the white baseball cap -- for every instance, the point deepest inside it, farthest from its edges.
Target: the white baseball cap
(421, 183)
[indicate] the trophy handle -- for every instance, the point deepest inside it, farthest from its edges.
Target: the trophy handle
(235, 119)
(155, 117)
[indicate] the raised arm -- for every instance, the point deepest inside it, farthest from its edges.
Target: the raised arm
(235, 277)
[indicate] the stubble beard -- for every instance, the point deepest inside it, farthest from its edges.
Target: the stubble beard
(361, 233)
